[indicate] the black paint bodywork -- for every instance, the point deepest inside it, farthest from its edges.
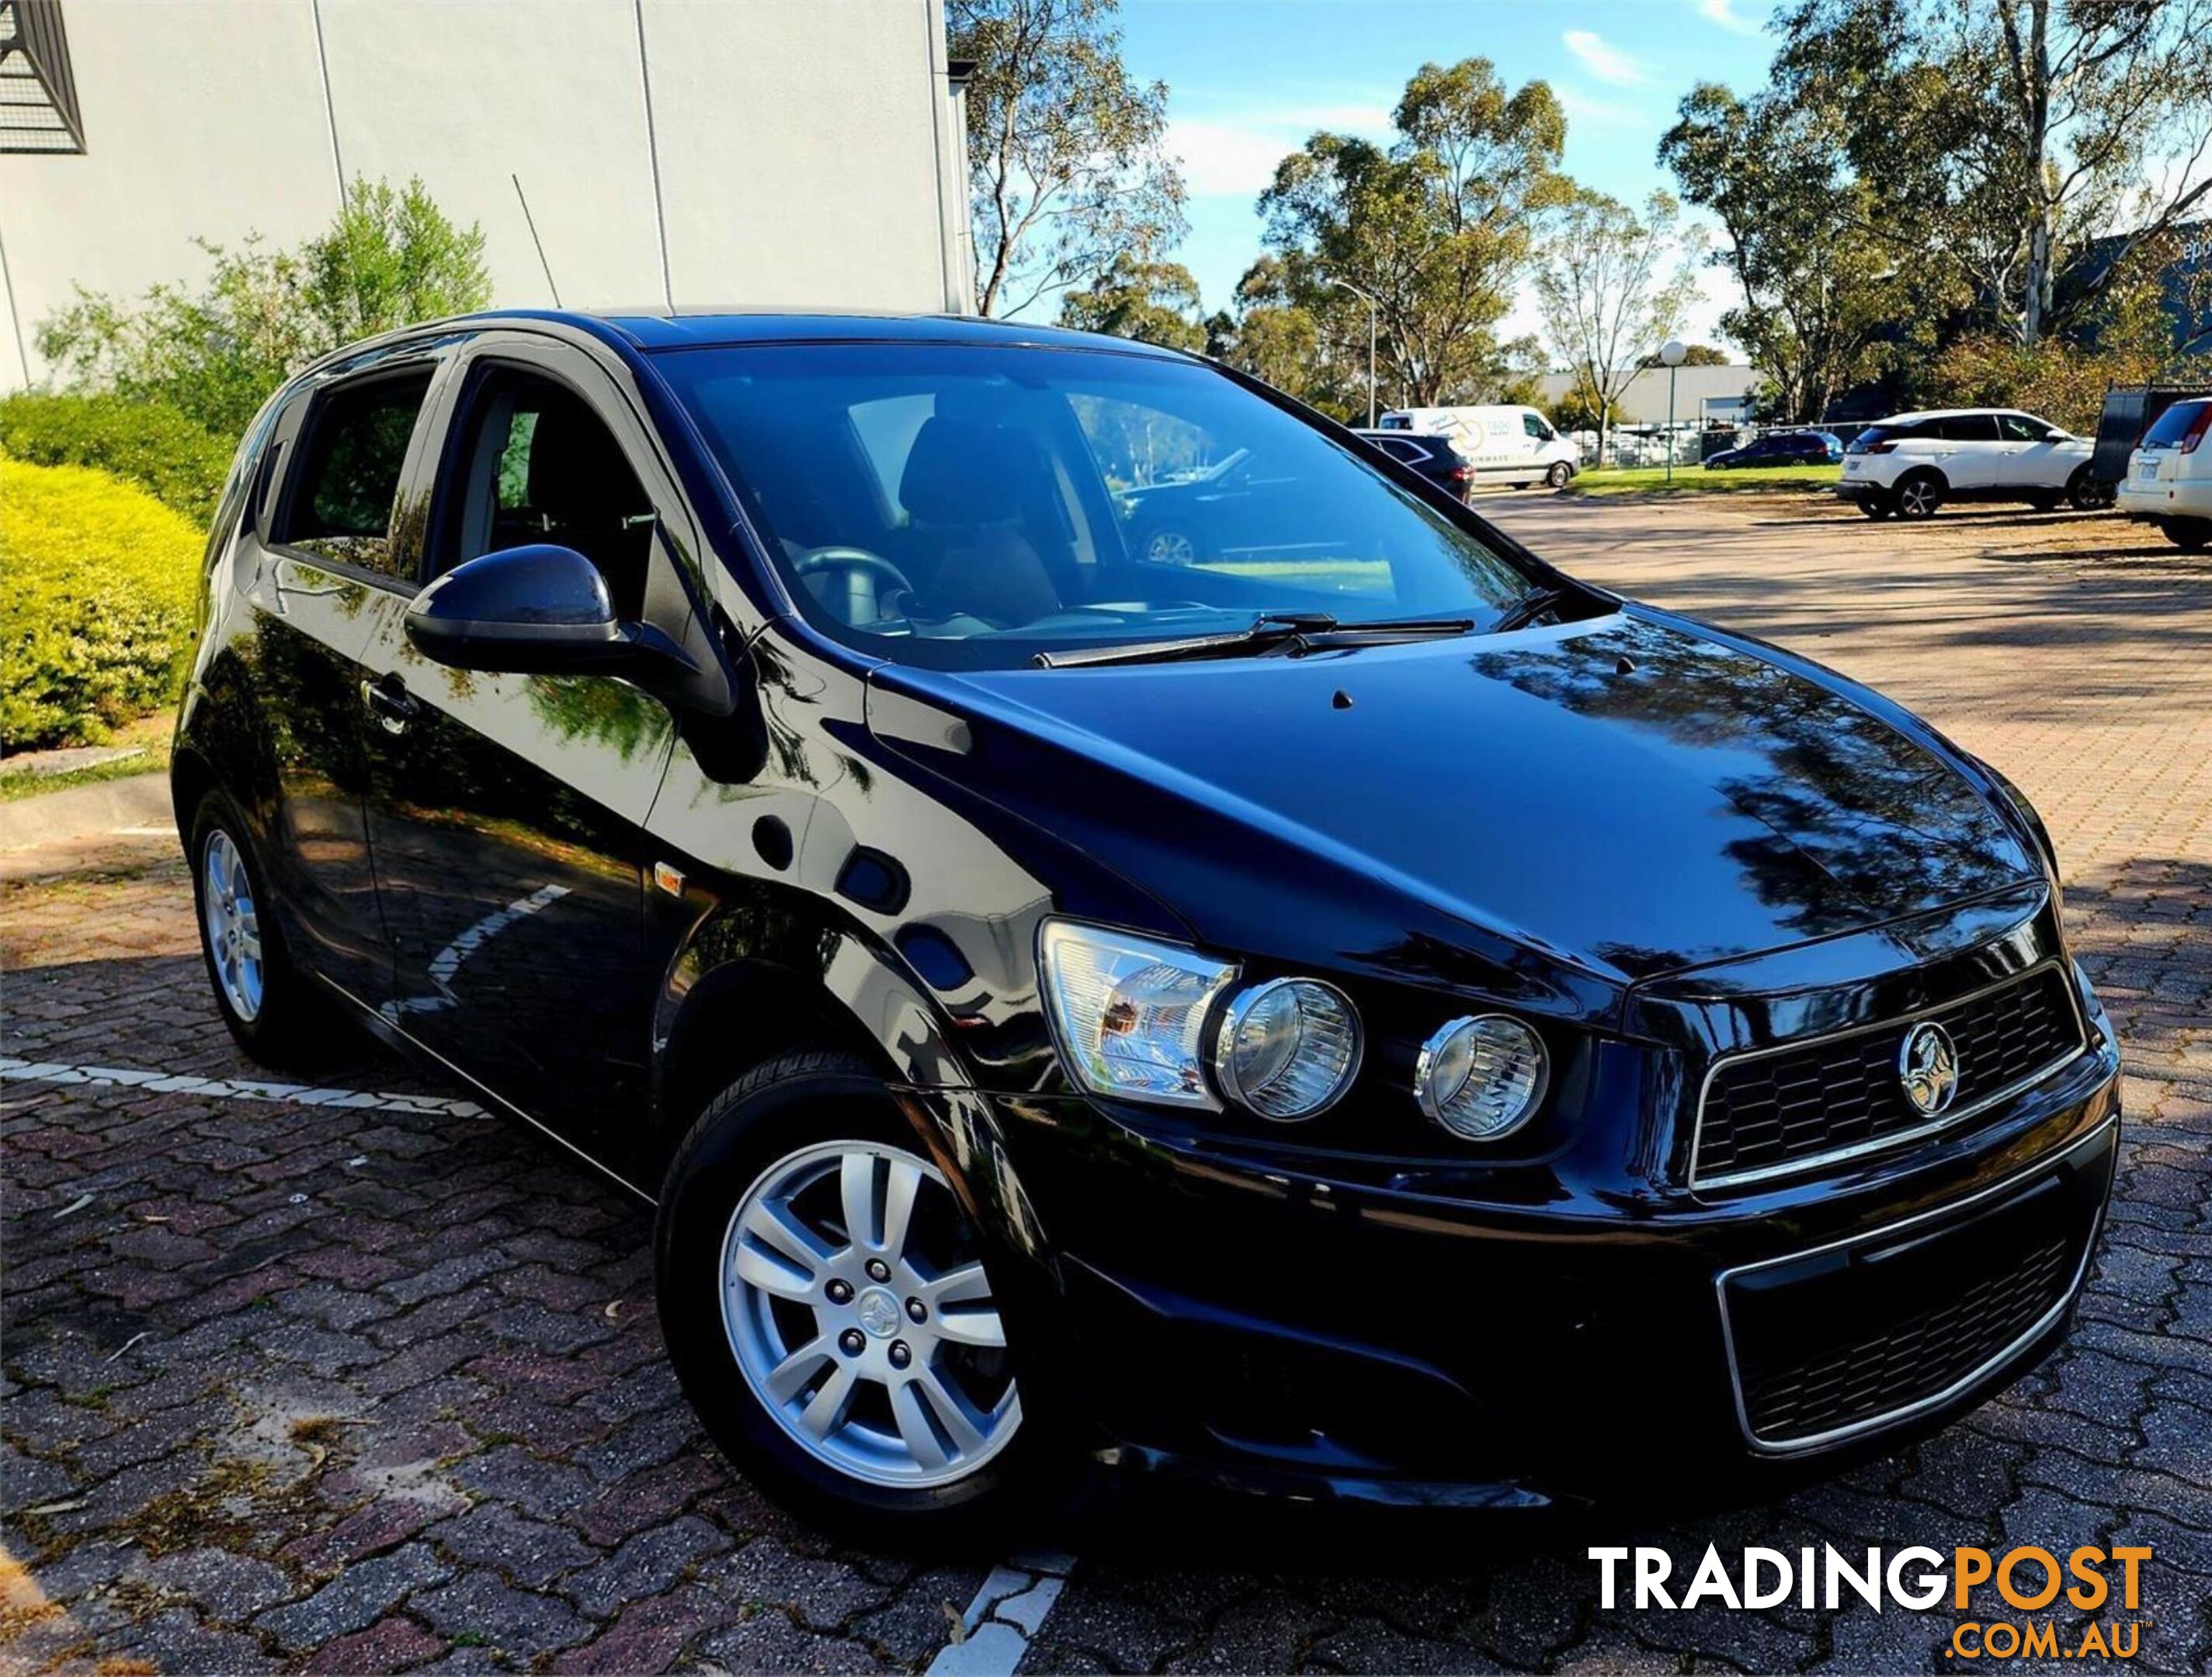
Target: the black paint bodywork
(599, 899)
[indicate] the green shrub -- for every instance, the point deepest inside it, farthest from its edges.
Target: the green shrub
(146, 443)
(97, 584)
(214, 351)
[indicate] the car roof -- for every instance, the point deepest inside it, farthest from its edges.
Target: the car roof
(1941, 413)
(654, 327)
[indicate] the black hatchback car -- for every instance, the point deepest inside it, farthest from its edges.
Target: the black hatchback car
(1338, 1023)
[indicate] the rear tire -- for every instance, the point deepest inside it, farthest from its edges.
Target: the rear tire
(1919, 495)
(862, 1374)
(276, 1012)
(2189, 535)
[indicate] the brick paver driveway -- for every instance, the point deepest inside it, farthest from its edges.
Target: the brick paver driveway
(369, 1385)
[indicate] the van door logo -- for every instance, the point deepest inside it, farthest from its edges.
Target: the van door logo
(1928, 1066)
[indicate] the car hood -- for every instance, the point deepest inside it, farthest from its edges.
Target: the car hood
(1632, 795)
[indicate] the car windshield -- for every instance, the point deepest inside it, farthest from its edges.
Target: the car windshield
(970, 506)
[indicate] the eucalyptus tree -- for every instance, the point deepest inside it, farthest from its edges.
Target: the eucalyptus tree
(1438, 225)
(1068, 169)
(1614, 283)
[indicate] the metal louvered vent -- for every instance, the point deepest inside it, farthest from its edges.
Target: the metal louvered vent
(38, 93)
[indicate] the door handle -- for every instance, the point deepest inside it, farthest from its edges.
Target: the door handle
(388, 702)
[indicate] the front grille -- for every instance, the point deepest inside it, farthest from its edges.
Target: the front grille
(1824, 1388)
(1794, 1109)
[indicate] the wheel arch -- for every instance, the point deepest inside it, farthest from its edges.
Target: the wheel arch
(736, 1016)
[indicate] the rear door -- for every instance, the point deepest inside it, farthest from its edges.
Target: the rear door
(324, 558)
(507, 811)
(1969, 451)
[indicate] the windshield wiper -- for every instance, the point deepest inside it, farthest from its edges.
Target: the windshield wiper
(1523, 611)
(1290, 633)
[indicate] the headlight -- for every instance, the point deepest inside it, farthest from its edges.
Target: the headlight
(1287, 1049)
(1129, 1011)
(1481, 1077)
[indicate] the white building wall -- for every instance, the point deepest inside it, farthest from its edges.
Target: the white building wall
(807, 149)
(1697, 390)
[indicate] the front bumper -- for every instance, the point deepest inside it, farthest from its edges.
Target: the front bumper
(1277, 1330)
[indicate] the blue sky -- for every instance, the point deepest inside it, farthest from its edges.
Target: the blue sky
(1248, 80)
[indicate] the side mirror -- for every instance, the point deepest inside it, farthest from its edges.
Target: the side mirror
(2054, 435)
(536, 610)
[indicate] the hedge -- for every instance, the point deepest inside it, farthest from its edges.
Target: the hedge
(97, 588)
(146, 443)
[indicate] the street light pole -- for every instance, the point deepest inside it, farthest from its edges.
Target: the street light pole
(1356, 292)
(1671, 353)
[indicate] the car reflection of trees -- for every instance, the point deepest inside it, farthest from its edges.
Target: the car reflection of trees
(1886, 820)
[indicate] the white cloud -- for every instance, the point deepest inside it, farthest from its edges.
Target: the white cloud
(1597, 112)
(1234, 153)
(1602, 59)
(1724, 13)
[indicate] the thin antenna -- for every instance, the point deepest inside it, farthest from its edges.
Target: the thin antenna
(653, 156)
(550, 283)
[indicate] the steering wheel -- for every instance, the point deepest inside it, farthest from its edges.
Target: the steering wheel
(868, 580)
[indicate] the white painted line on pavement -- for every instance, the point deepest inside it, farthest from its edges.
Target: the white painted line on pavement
(232, 1089)
(1005, 1617)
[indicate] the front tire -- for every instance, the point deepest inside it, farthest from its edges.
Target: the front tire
(272, 1009)
(1172, 544)
(1919, 495)
(828, 1312)
(2084, 494)
(1559, 475)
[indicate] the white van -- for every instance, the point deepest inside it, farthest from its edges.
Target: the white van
(1506, 445)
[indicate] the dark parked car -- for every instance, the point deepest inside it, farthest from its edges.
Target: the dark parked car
(1337, 1025)
(1434, 455)
(1781, 448)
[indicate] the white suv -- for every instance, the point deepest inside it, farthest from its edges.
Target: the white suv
(1914, 463)
(2169, 481)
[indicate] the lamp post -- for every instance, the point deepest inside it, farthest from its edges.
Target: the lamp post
(1670, 354)
(1371, 306)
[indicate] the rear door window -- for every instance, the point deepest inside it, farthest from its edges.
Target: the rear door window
(1967, 427)
(340, 507)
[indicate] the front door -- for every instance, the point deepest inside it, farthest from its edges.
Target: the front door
(2031, 457)
(507, 811)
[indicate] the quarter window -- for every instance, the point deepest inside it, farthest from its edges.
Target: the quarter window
(341, 508)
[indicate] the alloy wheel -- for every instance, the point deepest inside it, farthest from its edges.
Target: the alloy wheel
(231, 924)
(1558, 475)
(1917, 498)
(857, 1307)
(1172, 547)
